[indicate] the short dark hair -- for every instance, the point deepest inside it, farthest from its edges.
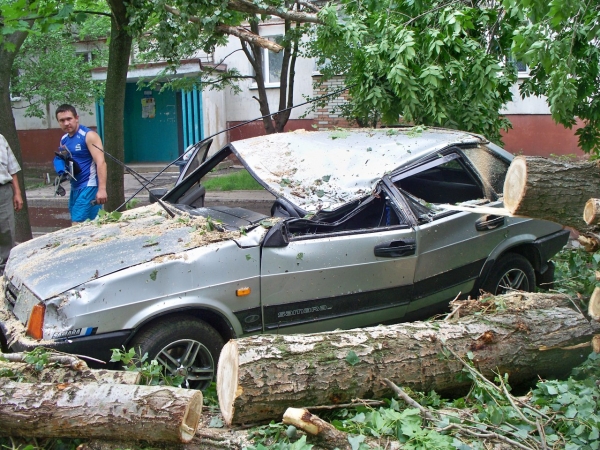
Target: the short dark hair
(64, 108)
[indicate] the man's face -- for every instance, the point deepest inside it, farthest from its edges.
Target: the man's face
(68, 123)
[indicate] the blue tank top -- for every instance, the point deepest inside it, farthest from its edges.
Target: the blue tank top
(81, 154)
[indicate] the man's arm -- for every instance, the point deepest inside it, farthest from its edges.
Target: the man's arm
(17, 197)
(94, 144)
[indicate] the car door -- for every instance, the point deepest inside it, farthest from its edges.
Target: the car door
(341, 272)
(453, 245)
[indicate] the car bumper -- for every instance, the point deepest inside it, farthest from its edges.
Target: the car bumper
(13, 338)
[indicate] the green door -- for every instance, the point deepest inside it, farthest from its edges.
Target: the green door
(151, 130)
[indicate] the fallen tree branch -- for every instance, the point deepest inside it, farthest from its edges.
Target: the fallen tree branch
(238, 32)
(315, 426)
(69, 361)
(409, 401)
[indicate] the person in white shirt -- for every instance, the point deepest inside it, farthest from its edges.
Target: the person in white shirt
(11, 200)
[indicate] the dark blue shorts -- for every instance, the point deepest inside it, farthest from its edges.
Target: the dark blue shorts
(80, 204)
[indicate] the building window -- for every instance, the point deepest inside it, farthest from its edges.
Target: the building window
(521, 67)
(272, 63)
(86, 57)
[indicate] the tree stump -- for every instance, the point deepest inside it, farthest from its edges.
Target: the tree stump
(550, 189)
(259, 377)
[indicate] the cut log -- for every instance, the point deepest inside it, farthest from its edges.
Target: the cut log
(590, 242)
(594, 305)
(259, 377)
(315, 426)
(93, 410)
(591, 211)
(596, 344)
(552, 189)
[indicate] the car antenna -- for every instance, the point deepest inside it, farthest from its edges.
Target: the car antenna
(331, 94)
(140, 178)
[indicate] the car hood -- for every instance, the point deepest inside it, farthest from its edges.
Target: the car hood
(325, 169)
(56, 262)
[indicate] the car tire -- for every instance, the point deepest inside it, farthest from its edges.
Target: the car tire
(512, 272)
(184, 346)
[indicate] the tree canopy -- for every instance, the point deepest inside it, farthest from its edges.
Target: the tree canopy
(450, 63)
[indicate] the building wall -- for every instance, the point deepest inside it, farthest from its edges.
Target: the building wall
(242, 106)
(539, 135)
(39, 137)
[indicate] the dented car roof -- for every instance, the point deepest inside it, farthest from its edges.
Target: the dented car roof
(325, 169)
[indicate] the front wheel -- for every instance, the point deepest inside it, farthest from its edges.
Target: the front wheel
(184, 346)
(512, 272)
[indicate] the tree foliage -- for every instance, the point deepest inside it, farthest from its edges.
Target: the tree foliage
(428, 63)
(446, 63)
(559, 42)
(50, 73)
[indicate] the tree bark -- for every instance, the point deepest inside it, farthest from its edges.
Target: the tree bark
(551, 189)
(8, 127)
(93, 410)
(68, 375)
(259, 377)
(119, 51)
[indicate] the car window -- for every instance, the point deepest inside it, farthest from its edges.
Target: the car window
(446, 180)
(491, 167)
(370, 213)
(193, 157)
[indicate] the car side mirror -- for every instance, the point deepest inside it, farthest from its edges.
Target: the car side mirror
(277, 236)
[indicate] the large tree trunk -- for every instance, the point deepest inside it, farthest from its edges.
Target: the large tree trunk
(114, 105)
(259, 377)
(7, 124)
(551, 189)
(93, 410)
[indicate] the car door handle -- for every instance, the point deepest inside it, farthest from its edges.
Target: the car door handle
(396, 249)
(489, 222)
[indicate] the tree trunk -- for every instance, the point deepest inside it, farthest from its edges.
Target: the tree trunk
(8, 128)
(93, 410)
(114, 104)
(551, 189)
(259, 377)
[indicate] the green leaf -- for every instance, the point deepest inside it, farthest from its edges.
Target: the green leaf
(352, 358)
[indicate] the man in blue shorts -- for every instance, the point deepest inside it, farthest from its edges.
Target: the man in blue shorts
(84, 148)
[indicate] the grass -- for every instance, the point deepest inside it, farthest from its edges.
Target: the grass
(234, 181)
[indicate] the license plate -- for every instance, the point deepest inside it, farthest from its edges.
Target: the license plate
(26, 300)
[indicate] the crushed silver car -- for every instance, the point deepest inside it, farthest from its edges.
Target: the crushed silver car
(356, 237)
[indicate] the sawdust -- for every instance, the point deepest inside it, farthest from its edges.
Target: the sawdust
(150, 221)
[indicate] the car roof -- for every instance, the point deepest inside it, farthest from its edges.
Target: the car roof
(325, 169)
